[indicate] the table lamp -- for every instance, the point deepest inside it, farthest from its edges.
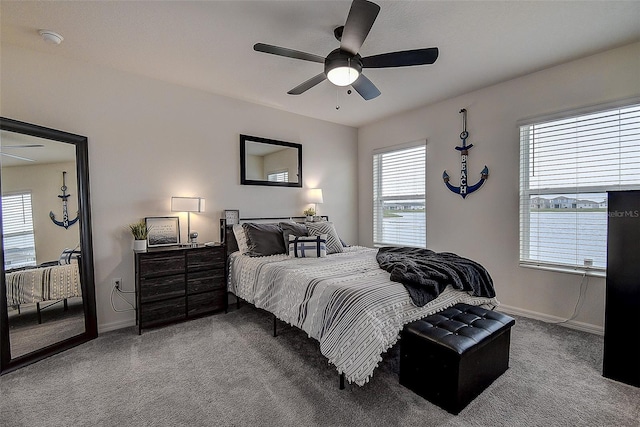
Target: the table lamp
(188, 204)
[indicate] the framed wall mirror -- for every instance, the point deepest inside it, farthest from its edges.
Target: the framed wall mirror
(47, 291)
(270, 162)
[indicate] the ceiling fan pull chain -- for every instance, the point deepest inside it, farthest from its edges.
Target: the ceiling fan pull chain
(337, 101)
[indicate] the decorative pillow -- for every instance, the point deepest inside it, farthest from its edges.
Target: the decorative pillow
(308, 246)
(334, 245)
(68, 256)
(292, 229)
(264, 239)
(241, 238)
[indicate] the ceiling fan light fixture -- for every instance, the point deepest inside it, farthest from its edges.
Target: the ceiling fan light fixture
(342, 68)
(343, 76)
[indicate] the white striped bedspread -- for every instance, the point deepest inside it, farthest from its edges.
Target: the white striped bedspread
(43, 284)
(345, 301)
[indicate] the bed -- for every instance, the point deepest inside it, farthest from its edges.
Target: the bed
(344, 300)
(36, 285)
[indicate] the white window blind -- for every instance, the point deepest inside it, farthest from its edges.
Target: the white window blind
(282, 176)
(567, 166)
(399, 211)
(17, 228)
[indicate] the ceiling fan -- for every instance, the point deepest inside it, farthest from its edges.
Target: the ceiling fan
(14, 156)
(343, 66)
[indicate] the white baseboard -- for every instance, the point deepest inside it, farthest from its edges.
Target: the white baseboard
(580, 326)
(112, 326)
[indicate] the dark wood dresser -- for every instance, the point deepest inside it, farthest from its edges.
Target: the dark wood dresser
(177, 283)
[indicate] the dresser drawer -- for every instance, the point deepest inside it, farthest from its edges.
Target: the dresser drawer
(161, 264)
(201, 281)
(156, 288)
(156, 313)
(206, 302)
(205, 259)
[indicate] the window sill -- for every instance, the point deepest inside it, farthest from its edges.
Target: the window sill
(593, 272)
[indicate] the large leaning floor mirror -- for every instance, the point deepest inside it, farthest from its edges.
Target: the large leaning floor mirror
(47, 292)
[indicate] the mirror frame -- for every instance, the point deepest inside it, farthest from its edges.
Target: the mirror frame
(243, 166)
(8, 364)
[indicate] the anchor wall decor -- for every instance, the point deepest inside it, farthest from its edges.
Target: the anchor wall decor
(464, 189)
(66, 222)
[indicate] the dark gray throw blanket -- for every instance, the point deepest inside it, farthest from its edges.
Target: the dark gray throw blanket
(426, 273)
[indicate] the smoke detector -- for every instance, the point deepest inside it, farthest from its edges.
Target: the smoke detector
(51, 36)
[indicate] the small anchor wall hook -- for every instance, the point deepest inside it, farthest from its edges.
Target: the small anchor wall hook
(66, 222)
(464, 189)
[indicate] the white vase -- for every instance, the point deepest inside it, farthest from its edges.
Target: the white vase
(139, 245)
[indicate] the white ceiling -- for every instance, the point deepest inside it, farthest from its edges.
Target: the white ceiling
(18, 149)
(208, 45)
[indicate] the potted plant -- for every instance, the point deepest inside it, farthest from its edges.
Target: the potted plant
(140, 232)
(309, 213)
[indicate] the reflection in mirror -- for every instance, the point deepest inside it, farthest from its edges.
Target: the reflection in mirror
(270, 162)
(47, 293)
(44, 296)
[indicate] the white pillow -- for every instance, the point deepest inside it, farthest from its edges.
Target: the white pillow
(308, 246)
(241, 238)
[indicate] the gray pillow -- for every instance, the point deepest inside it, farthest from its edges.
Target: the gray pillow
(264, 239)
(334, 245)
(292, 229)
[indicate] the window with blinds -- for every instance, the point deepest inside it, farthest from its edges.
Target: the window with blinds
(282, 176)
(567, 165)
(399, 214)
(17, 228)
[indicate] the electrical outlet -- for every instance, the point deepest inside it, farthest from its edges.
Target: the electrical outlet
(116, 282)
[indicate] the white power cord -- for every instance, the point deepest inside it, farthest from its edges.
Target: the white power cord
(583, 290)
(113, 306)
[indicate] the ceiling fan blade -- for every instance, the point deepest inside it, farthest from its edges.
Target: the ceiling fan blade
(289, 53)
(17, 157)
(308, 84)
(404, 58)
(361, 17)
(365, 88)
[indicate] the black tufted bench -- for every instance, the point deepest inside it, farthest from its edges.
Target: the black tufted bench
(450, 357)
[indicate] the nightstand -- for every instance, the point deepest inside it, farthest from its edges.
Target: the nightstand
(179, 283)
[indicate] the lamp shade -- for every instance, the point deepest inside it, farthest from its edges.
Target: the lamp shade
(314, 195)
(187, 204)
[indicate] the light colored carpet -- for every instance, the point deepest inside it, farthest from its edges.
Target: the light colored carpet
(227, 370)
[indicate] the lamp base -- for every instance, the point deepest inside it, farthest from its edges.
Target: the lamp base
(193, 238)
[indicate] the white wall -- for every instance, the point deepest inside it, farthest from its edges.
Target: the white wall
(484, 226)
(149, 140)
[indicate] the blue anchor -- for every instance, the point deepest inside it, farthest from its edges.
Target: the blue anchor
(465, 189)
(66, 222)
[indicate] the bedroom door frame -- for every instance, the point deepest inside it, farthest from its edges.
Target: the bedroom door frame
(8, 363)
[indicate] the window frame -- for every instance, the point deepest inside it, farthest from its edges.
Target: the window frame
(525, 191)
(377, 184)
(24, 233)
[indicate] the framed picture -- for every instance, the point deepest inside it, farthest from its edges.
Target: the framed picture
(163, 231)
(232, 216)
